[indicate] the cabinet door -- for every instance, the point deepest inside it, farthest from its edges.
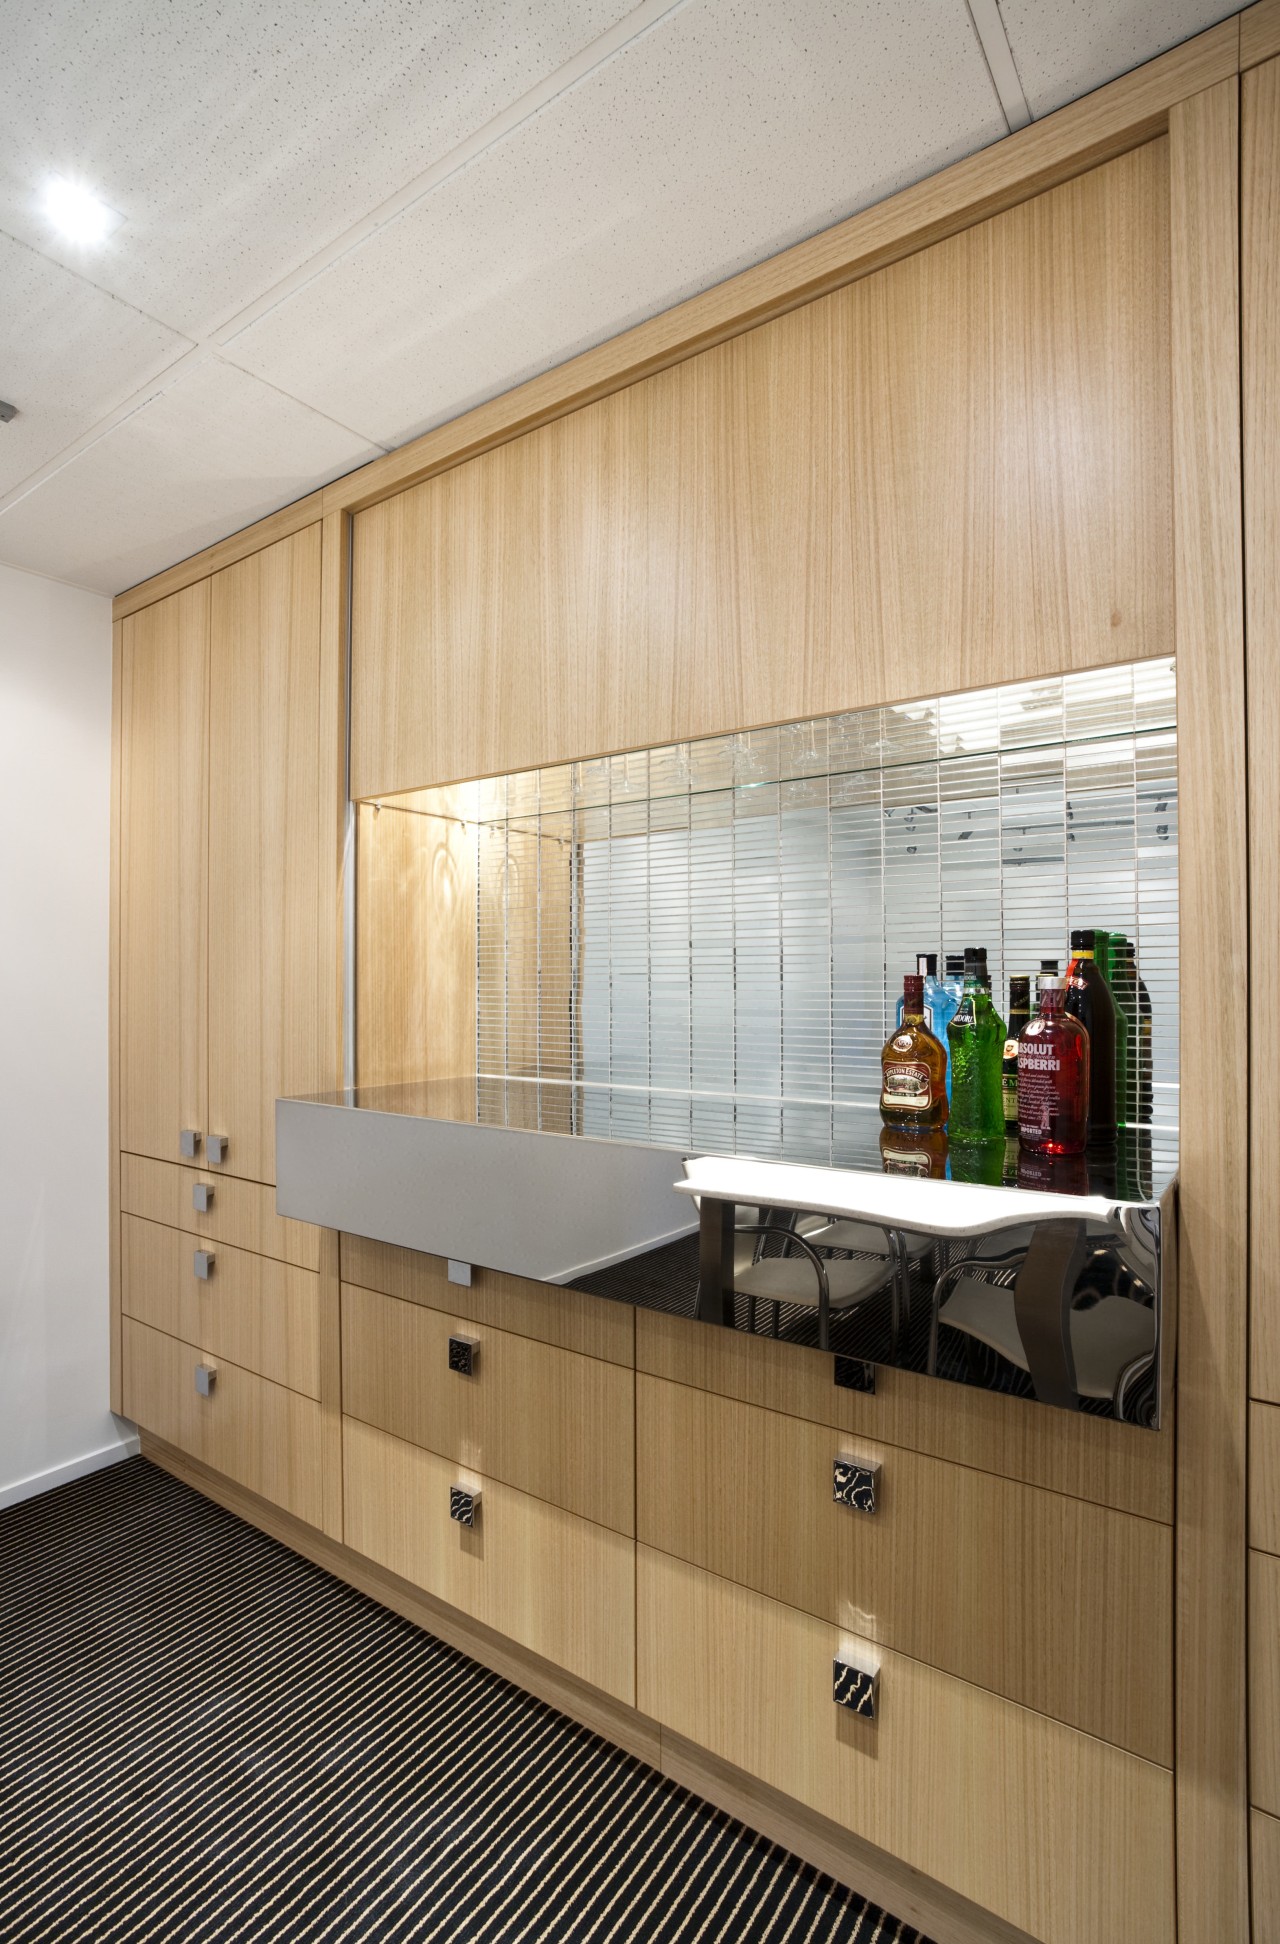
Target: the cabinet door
(163, 715)
(269, 810)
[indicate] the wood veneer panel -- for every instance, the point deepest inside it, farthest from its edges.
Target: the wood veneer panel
(1052, 1830)
(1260, 240)
(243, 1212)
(1264, 1681)
(1111, 1464)
(1213, 907)
(1264, 1477)
(953, 471)
(558, 1585)
(549, 1421)
(1264, 1832)
(1259, 33)
(416, 946)
(163, 905)
(258, 1434)
(258, 1314)
(1063, 1606)
(270, 849)
(116, 1375)
(566, 1317)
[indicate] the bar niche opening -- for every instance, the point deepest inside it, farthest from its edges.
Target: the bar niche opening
(702, 945)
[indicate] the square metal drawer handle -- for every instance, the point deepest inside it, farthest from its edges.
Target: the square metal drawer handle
(206, 1378)
(855, 1483)
(189, 1143)
(464, 1505)
(855, 1688)
(201, 1197)
(203, 1264)
(464, 1355)
(216, 1149)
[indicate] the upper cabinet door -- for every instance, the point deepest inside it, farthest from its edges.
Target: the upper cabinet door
(163, 714)
(270, 817)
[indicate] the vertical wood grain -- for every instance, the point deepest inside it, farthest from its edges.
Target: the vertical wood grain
(1212, 1380)
(162, 892)
(1260, 233)
(270, 827)
(953, 471)
(115, 1382)
(331, 1512)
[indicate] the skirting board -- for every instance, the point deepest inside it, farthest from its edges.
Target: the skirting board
(916, 1899)
(89, 1461)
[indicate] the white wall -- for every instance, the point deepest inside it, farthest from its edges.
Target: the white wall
(55, 823)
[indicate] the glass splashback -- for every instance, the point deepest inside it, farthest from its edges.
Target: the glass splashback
(702, 945)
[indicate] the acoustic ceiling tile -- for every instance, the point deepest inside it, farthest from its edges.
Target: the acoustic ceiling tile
(238, 139)
(732, 128)
(1062, 52)
(213, 453)
(68, 355)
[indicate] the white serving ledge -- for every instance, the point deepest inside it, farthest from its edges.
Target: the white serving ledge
(943, 1208)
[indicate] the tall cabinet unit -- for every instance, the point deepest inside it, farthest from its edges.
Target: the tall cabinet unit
(227, 1321)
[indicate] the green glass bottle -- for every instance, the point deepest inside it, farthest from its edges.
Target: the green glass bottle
(976, 1037)
(1109, 957)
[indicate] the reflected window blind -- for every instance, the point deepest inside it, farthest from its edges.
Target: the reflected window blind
(713, 935)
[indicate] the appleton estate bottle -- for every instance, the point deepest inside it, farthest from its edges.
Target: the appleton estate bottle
(1089, 1000)
(913, 1067)
(1053, 1077)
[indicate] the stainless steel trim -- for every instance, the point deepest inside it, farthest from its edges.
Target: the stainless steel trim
(460, 1273)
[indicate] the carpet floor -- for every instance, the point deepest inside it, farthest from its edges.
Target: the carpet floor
(204, 1737)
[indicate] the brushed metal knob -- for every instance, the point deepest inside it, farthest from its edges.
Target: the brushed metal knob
(216, 1149)
(203, 1260)
(201, 1197)
(189, 1143)
(206, 1378)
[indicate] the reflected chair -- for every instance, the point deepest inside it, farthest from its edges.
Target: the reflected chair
(803, 1277)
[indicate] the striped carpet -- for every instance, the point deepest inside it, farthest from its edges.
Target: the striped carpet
(204, 1737)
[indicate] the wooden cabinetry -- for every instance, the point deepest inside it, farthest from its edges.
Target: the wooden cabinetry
(271, 1029)
(1053, 1831)
(164, 675)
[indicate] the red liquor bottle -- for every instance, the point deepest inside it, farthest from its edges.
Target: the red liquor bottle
(1053, 1077)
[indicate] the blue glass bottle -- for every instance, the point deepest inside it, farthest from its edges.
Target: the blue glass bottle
(934, 998)
(945, 1003)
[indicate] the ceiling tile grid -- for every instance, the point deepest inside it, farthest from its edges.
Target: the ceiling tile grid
(724, 134)
(215, 451)
(70, 355)
(376, 216)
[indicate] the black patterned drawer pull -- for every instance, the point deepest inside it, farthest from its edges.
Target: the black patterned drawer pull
(464, 1355)
(855, 1688)
(464, 1505)
(855, 1482)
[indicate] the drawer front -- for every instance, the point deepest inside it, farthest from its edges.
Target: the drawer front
(1061, 1605)
(1264, 1476)
(242, 1213)
(257, 1313)
(558, 1585)
(565, 1317)
(1264, 1681)
(1065, 1451)
(1054, 1831)
(553, 1423)
(266, 1438)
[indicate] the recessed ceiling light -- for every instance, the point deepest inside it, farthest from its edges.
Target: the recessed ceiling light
(81, 216)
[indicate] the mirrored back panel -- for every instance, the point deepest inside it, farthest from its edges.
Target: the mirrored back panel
(697, 951)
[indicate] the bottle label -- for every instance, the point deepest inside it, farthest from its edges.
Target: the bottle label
(907, 1088)
(1037, 1096)
(908, 1162)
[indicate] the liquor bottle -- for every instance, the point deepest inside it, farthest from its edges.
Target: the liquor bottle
(1019, 1014)
(1131, 993)
(927, 967)
(1053, 1174)
(1121, 974)
(1049, 969)
(920, 1151)
(976, 1036)
(980, 1161)
(1053, 1077)
(913, 1067)
(1089, 1000)
(950, 988)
